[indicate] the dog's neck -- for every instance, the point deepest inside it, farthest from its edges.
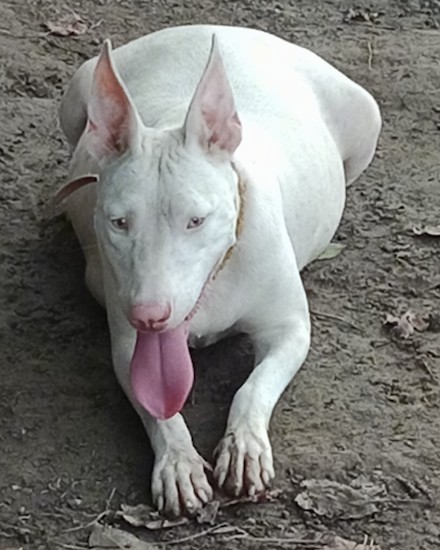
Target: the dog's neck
(241, 188)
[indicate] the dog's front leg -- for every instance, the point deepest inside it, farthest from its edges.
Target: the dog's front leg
(244, 456)
(179, 483)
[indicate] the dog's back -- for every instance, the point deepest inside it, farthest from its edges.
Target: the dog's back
(270, 77)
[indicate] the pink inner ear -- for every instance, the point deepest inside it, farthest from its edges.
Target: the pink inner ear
(73, 186)
(225, 136)
(212, 118)
(111, 116)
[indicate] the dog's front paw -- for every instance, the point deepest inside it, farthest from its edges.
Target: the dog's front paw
(179, 483)
(244, 462)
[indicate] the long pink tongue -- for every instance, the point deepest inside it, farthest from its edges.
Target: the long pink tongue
(161, 371)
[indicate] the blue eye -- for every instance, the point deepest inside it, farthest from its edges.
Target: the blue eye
(195, 222)
(119, 223)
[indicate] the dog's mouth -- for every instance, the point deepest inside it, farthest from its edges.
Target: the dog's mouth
(161, 369)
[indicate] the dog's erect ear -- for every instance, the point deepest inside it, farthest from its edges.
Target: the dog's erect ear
(113, 122)
(73, 186)
(212, 121)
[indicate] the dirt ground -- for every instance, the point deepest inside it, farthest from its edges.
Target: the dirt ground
(364, 410)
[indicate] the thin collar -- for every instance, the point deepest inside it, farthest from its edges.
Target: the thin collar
(239, 223)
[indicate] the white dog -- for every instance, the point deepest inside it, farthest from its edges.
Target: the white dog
(198, 193)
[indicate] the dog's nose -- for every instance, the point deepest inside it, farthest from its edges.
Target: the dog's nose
(150, 316)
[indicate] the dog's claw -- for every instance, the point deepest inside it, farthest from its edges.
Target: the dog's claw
(244, 462)
(179, 483)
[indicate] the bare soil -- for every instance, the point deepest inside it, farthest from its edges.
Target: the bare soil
(363, 410)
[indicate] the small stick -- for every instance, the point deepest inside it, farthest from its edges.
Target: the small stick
(309, 543)
(68, 546)
(23, 36)
(87, 525)
(244, 535)
(97, 518)
(197, 535)
(334, 318)
(108, 501)
(431, 287)
(370, 55)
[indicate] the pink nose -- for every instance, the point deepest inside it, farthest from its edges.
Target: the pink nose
(150, 316)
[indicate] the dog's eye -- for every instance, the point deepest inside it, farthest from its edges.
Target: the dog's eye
(119, 223)
(195, 222)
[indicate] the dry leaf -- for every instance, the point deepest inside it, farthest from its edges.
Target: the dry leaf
(337, 500)
(208, 514)
(104, 536)
(68, 25)
(224, 529)
(419, 321)
(142, 516)
(137, 515)
(426, 230)
(400, 325)
(260, 498)
(406, 324)
(157, 524)
(339, 543)
(332, 250)
(360, 14)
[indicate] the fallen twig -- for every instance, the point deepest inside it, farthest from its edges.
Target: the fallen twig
(24, 36)
(97, 518)
(89, 524)
(209, 531)
(333, 317)
(370, 55)
(308, 543)
(68, 546)
(224, 528)
(434, 286)
(108, 501)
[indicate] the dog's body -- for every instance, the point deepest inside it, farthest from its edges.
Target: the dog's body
(262, 183)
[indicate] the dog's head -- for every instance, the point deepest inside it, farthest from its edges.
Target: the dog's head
(167, 201)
